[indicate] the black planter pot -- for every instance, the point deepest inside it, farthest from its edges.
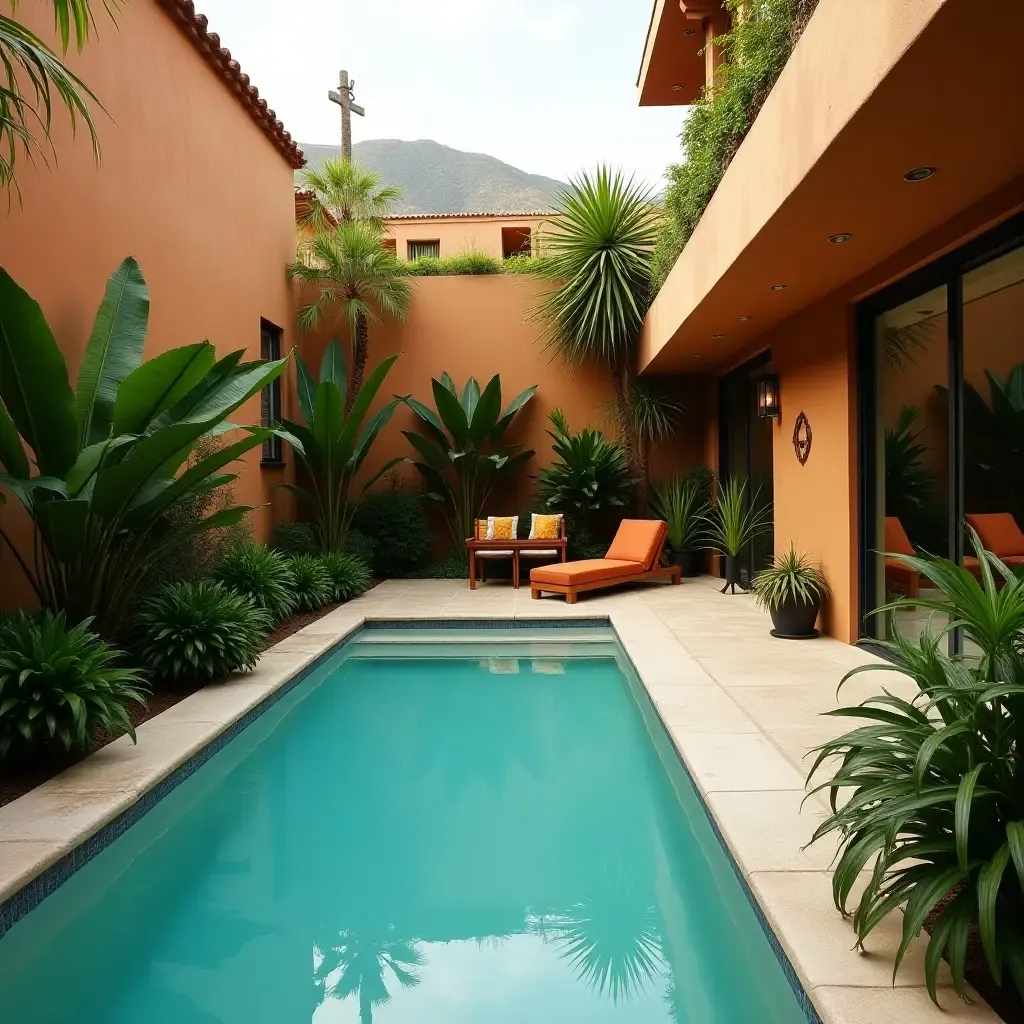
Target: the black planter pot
(794, 620)
(732, 575)
(691, 563)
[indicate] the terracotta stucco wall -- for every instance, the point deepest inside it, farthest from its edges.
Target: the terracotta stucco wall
(459, 234)
(188, 184)
(480, 326)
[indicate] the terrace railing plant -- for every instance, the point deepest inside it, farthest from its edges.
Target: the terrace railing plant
(935, 784)
(335, 441)
(461, 447)
(107, 455)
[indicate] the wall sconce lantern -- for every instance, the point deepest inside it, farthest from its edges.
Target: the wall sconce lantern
(768, 397)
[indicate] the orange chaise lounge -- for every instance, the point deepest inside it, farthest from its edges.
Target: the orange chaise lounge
(1000, 534)
(634, 555)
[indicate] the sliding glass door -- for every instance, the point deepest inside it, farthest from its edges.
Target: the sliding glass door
(942, 419)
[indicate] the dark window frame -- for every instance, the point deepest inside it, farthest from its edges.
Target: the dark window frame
(422, 241)
(948, 271)
(272, 452)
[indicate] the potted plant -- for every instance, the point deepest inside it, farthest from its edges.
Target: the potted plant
(681, 502)
(732, 523)
(792, 589)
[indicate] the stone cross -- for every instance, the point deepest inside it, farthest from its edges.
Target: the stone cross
(344, 96)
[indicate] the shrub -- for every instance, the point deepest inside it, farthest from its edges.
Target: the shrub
(470, 262)
(294, 539)
(263, 576)
(451, 567)
(681, 502)
(935, 782)
(59, 685)
(349, 575)
(397, 522)
(200, 632)
(790, 579)
(525, 263)
(311, 583)
(753, 55)
(360, 545)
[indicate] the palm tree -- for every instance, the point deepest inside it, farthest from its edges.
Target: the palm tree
(600, 257)
(358, 279)
(341, 191)
(31, 73)
(363, 964)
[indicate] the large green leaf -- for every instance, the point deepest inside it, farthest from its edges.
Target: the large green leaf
(246, 380)
(428, 416)
(511, 409)
(485, 411)
(12, 451)
(307, 391)
(158, 384)
(214, 378)
(451, 412)
(113, 352)
(361, 405)
(62, 524)
(332, 366)
(34, 381)
(470, 397)
(373, 427)
(329, 417)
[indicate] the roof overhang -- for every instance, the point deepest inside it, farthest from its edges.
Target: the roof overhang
(866, 96)
(672, 72)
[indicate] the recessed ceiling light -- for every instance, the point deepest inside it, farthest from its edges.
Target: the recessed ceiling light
(925, 312)
(717, 336)
(779, 287)
(843, 236)
(677, 87)
(689, 31)
(695, 357)
(919, 173)
(744, 319)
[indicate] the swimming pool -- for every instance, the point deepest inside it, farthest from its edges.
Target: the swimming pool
(430, 827)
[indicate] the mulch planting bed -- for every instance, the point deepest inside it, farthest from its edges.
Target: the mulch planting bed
(18, 776)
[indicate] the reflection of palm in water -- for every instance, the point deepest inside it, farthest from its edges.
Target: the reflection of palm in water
(352, 964)
(611, 937)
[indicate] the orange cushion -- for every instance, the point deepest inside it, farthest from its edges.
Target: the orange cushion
(999, 533)
(1013, 561)
(638, 540)
(589, 570)
(896, 540)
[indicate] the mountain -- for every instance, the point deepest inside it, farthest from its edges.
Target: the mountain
(437, 179)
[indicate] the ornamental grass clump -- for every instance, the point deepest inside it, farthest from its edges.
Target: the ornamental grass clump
(791, 579)
(312, 586)
(262, 575)
(59, 685)
(935, 784)
(348, 574)
(200, 633)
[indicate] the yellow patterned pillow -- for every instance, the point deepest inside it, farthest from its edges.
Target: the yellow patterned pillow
(545, 527)
(501, 527)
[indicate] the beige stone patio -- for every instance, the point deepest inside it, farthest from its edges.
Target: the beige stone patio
(741, 707)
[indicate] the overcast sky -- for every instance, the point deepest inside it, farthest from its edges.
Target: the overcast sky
(546, 85)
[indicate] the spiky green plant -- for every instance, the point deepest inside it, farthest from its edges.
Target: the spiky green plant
(262, 575)
(312, 585)
(935, 785)
(682, 503)
(792, 578)
(349, 575)
(200, 632)
(733, 521)
(58, 685)
(340, 190)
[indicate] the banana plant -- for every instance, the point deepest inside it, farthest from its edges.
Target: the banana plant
(461, 455)
(97, 467)
(333, 444)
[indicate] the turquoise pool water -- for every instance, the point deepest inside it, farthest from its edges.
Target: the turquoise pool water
(449, 835)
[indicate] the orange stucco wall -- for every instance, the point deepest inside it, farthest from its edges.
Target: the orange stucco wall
(480, 326)
(459, 234)
(188, 184)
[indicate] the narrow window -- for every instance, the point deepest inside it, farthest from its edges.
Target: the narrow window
(389, 244)
(425, 250)
(270, 396)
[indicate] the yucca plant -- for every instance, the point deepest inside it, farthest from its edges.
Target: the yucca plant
(312, 585)
(936, 783)
(335, 440)
(111, 457)
(589, 473)
(58, 685)
(261, 575)
(792, 578)
(461, 447)
(200, 632)
(682, 503)
(349, 575)
(733, 522)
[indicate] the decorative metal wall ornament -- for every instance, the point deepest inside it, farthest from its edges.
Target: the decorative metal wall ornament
(802, 438)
